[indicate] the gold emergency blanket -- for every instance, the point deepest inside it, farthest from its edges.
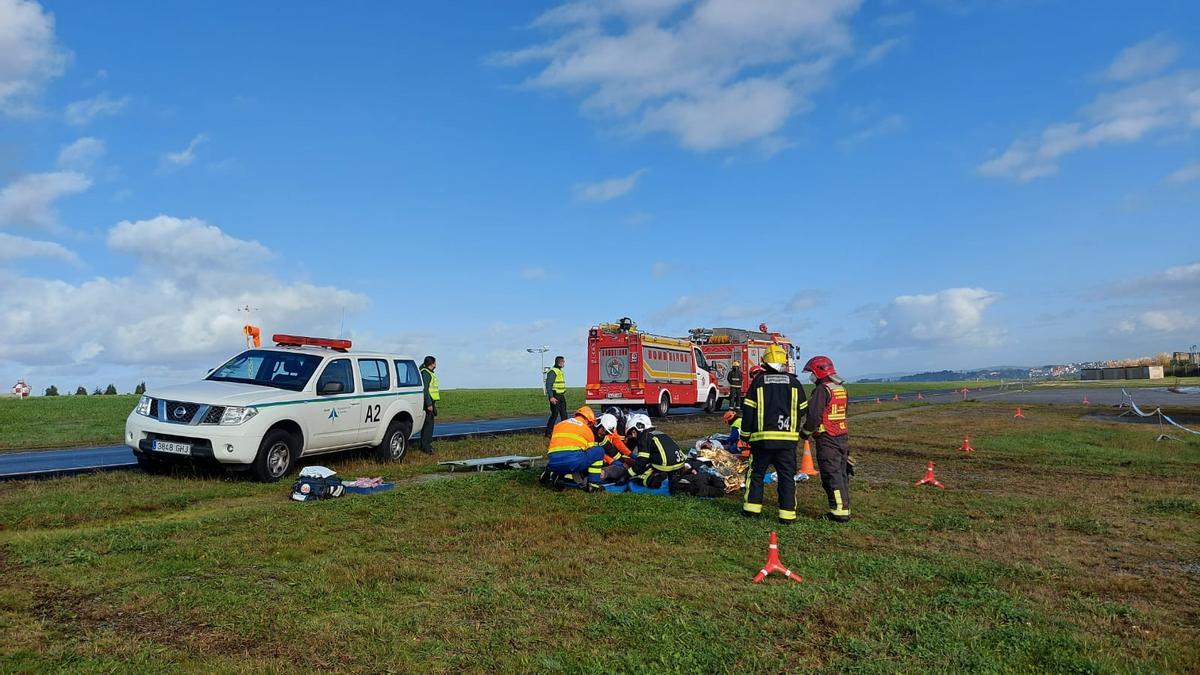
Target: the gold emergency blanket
(728, 466)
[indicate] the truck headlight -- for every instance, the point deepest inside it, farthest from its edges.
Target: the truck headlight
(143, 406)
(235, 415)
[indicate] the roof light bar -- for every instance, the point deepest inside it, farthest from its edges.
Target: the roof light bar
(303, 341)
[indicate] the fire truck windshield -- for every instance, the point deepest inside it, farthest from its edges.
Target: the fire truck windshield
(282, 370)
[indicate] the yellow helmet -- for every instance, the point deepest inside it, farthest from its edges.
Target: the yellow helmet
(775, 356)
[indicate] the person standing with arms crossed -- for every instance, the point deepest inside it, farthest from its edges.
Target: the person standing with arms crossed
(556, 393)
(433, 394)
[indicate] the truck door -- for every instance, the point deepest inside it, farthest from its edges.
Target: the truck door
(376, 378)
(338, 420)
(703, 379)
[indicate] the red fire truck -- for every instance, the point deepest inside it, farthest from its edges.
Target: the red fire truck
(631, 369)
(722, 346)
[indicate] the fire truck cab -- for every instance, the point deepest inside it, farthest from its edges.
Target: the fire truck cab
(723, 346)
(631, 369)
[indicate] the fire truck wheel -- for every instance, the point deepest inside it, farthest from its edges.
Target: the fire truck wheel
(713, 404)
(395, 442)
(663, 407)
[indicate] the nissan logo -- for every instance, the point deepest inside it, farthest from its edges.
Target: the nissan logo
(179, 412)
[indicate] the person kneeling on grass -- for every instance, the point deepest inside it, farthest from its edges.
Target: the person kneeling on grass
(574, 454)
(656, 456)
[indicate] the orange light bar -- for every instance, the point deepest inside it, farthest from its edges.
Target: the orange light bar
(303, 341)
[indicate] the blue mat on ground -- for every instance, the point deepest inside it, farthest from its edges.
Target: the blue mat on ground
(384, 487)
(664, 489)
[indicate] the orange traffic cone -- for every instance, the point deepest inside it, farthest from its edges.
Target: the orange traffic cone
(929, 478)
(806, 462)
(920, 396)
(773, 564)
(877, 401)
(966, 446)
(1018, 414)
(896, 396)
(1085, 401)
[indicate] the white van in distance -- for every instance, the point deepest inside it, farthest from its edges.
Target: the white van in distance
(266, 408)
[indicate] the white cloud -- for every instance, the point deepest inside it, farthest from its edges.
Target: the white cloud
(29, 200)
(13, 247)
(888, 125)
(81, 154)
(954, 316)
(186, 156)
(1170, 321)
(712, 73)
(607, 190)
(880, 51)
(82, 112)
(533, 273)
(660, 269)
(1185, 174)
(1127, 115)
(1126, 326)
(29, 55)
(1143, 59)
(161, 314)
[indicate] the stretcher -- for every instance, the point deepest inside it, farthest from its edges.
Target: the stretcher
(491, 463)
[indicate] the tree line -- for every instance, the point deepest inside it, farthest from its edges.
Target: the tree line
(110, 390)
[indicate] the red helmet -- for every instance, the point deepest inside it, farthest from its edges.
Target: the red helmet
(820, 366)
(730, 416)
(754, 372)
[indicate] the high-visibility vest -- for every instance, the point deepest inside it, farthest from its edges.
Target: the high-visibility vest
(560, 380)
(833, 417)
(571, 434)
(434, 393)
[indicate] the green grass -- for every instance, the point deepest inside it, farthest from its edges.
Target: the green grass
(1127, 384)
(1033, 559)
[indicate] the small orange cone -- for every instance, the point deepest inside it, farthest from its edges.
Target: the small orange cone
(1085, 401)
(965, 391)
(920, 396)
(966, 446)
(877, 401)
(929, 478)
(1019, 415)
(806, 462)
(896, 396)
(774, 565)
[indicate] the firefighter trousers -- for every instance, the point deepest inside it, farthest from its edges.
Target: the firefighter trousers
(833, 455)
(784, 461)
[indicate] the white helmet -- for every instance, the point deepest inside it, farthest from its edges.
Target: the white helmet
(608, 422)
(638, 421)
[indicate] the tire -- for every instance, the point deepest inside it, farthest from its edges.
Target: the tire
(394, 447)
(712, 404)
(663, 407)
(152, 465)
(275, 455)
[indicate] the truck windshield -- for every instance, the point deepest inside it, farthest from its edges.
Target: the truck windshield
(282, 370)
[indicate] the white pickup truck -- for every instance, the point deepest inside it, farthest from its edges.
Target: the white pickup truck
(266, 408)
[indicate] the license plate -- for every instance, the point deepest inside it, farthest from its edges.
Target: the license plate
(615, 394)
(173, 447)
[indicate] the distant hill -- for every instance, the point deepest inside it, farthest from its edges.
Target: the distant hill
(996, 373)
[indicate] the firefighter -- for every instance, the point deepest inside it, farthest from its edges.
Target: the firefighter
(556, 393)
(432, 393)
(573, 452)
(826, 420)
(735, 442)
(735, 385)
(610, 426)
(772, 408)
(656, 456)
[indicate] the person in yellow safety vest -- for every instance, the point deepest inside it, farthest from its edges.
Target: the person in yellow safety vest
(556, 393)
(736, 442)
(574, 452)
(772, 410)
(433, 394)
(826, 420)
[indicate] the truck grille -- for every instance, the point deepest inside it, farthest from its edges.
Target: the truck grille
(179, 412)
(213, 416)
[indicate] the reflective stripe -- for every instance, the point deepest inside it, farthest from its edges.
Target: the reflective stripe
(804, 406)
(787, 515)
(775, 436)
(737, 424)
(750, 403)
(662, 459)
(760, 408)
(840, 510)
(752, 508)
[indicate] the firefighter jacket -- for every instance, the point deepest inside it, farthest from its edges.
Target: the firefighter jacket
(772, 409)
(572, 434)
(735, 378)
(827, 411)
(656, 451)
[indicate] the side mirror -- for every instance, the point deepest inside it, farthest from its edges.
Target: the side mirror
(331, 388)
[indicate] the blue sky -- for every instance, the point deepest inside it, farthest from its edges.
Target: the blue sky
(901, 186)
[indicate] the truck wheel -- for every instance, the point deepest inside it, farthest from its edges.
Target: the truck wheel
(712, 404)
(274, 459)
(663, 407)
(395, 442)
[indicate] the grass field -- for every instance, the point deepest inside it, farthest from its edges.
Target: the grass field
(1062, 544)
(69, 421)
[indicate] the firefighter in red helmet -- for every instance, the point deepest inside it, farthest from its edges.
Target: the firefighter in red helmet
(826, 421)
